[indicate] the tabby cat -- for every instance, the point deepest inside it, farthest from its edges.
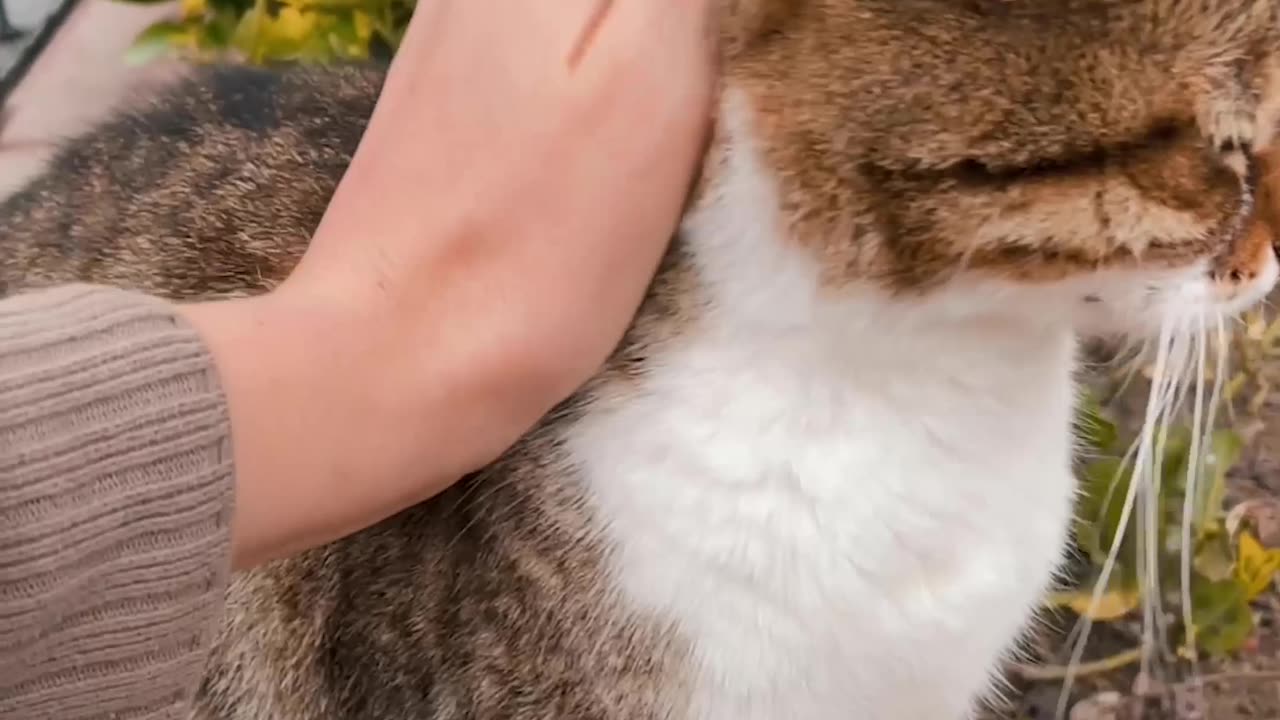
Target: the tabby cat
(827, 474)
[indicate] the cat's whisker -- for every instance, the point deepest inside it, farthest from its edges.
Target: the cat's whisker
(1142, 466)
(1220, 370)
(1186, 361)
(1195, 462)
(1141, 349)
(1187, 348)
(1165, 388)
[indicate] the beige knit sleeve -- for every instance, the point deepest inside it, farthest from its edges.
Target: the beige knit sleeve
(115, 501)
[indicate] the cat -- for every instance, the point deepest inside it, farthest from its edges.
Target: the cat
(827, 473)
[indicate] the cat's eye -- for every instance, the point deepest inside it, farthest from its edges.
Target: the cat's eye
(1161, 134)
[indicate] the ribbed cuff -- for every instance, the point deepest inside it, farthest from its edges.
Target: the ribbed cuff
(115, 505)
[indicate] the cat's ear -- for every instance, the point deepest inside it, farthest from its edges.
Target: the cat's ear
(744, 21)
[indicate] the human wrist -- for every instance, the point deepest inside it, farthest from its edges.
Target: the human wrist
(324, 441)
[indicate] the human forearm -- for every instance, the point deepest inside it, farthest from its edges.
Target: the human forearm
(344, 413)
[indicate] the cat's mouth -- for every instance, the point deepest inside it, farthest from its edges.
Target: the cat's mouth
(1140, 302)
(1137, 300)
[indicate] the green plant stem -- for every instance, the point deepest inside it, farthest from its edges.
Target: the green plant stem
(1093, 667)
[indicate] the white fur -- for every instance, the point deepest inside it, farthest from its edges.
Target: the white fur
(849, 505)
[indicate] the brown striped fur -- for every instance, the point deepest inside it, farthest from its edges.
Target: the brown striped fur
(912, 140)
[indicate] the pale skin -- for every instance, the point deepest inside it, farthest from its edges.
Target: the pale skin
(519, 181)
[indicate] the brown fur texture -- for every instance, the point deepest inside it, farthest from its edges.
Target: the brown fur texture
(911, 140)
(1086, 127)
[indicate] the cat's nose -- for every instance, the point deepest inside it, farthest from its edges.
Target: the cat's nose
(1251, 257)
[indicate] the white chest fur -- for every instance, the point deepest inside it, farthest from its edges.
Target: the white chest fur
(848, 511)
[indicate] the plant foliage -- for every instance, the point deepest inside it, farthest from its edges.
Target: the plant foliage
(1229, 566)
(271, 31)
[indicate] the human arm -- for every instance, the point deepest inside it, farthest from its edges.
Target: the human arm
(463, 283)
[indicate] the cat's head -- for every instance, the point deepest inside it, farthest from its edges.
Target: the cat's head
(1101, 158)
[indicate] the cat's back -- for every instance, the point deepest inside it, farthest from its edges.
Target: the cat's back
(491, 601)
(212, 188)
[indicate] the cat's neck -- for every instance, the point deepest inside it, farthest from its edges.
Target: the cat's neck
(814, 484)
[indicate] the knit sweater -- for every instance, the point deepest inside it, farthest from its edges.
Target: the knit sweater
(115, 506)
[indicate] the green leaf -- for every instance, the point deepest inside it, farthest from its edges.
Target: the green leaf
(346, 38)
(284, 35)
(1174, 456)
(266, 31)
(1113, 604)
(334, 5)
(159, 39)
(1256, 566)
(235, 7)
(245, 37)
(1233, 386)
(1220, 615)
(1225, 448)
(1100, 506)
(1213, 558)
(219, 29)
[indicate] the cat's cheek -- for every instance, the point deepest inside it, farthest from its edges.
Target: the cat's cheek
(1189, 300)
(1137, 304)
(1110, 319)
(1131, 313)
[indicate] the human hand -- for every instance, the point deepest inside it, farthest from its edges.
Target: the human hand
(517, 185)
